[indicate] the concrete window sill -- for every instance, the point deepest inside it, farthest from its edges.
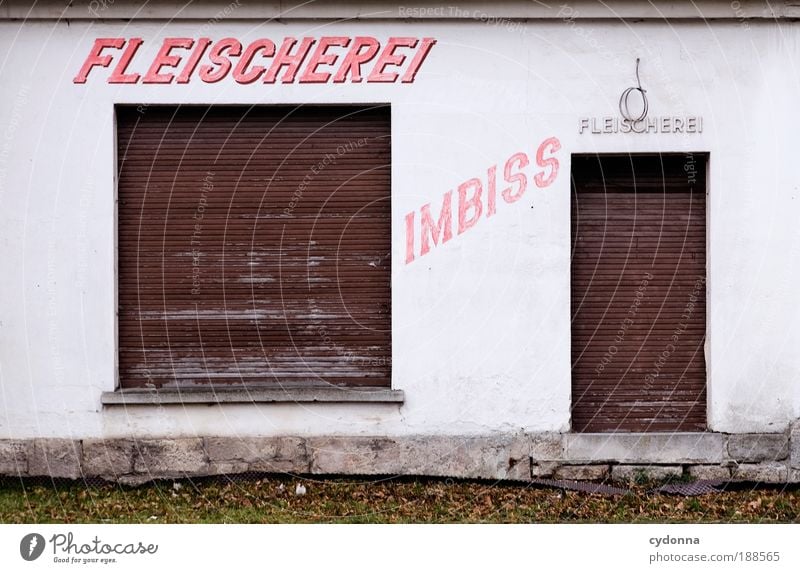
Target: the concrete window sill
(136, 397)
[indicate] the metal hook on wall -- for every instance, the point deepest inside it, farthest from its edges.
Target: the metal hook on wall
(624, 105)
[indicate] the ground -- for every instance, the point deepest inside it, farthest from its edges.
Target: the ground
(274, 500)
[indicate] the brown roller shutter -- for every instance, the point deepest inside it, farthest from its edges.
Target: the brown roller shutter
(254, 245)
(638, 293)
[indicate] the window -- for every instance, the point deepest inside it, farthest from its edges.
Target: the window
(638, 293)
(254, 246)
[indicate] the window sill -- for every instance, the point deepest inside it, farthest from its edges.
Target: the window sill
(143, 396)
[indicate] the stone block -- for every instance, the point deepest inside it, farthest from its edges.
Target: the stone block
(767, 472)
(227, 468)
(278, 455)
(758, 447)
(544, 469)
(794, 447)
(107, 458)
(170, 457)
(458, 456)
(13, 458)
(667, 448)
(546, 447)
(360, 455)
(634, 473)
(54, 457)
(710, 473)
(583, 472)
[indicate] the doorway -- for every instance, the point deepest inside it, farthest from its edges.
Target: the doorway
(638, 292)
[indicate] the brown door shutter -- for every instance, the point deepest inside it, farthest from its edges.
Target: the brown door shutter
(638, 293)
(254, 245)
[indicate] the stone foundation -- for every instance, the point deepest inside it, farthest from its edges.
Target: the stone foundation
(769, 458)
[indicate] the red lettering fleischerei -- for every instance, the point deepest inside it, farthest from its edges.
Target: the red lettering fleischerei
(336, 59)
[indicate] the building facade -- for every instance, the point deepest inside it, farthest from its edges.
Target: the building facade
(503, 241)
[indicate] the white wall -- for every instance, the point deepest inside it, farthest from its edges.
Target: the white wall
(481, 325)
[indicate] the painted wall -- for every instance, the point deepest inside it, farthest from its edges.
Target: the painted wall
(481, 325)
